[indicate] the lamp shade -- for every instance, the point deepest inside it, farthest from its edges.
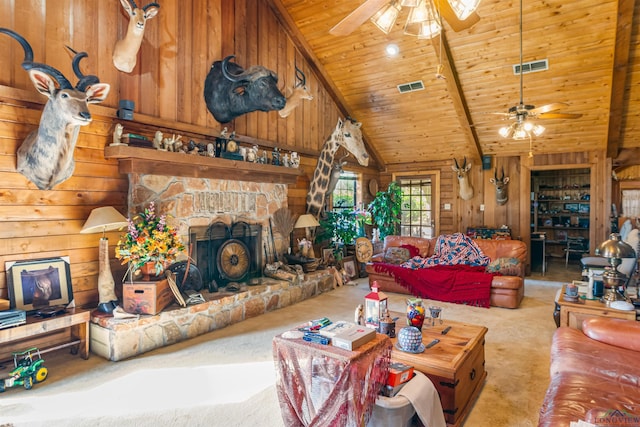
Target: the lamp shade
(306, 220)
(615, 248)
(103, 219)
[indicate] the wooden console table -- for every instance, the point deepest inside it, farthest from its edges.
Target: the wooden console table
(573, 313)
(77, 320)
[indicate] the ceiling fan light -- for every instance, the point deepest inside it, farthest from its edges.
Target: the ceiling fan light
(423, 21)
(463, 8)
(505, 131)
(386, 17)
(520, 134)
(527, 126)
(538, 130)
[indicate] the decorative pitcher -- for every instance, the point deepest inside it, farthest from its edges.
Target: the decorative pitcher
(415, 312)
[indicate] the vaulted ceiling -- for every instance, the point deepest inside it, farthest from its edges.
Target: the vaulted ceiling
(591, 47)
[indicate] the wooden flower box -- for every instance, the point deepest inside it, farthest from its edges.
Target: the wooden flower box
(146, 297)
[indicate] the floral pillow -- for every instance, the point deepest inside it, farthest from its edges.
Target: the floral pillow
(506, 267)
(413, 251)
(395, 255)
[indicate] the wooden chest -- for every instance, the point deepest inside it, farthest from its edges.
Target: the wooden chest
(146, 297)
(455, 365)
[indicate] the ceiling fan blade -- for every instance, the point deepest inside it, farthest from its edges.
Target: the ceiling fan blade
(454, 22)
(558, 116)
(358, 17)
(549, 107)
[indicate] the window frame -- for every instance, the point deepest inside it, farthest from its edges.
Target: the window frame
(434, 175)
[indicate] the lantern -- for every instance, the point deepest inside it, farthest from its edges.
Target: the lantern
(375, 305)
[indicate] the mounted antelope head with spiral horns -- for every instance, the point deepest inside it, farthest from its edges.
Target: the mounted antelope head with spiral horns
(466, 190)
(125, 52)
(501, 187)
(46, 155)
(300, 93)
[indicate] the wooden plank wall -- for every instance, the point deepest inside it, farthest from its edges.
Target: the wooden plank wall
(167, 85)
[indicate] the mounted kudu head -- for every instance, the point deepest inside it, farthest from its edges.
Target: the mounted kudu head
(125, 52)
(300, 93)
(466, 190)
(501, 187)
(46, 155)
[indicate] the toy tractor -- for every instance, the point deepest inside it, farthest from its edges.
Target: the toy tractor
(28, 370)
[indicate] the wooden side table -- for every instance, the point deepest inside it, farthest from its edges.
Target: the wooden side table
(76, 320)
(573, 313)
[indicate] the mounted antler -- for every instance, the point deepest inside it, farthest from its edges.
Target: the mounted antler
(466, 190)
(300, 93)
(46, 155)
(125, 52)
(501, 187)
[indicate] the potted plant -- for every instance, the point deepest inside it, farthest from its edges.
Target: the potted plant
(340, 228)
(150, 242)
(386, 208)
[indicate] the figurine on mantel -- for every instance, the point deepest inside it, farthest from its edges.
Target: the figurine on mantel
(157, 140)
(295, 160)
(117, 135)
(275, 156)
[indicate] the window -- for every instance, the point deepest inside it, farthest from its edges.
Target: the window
(345, 195)
(417, 217)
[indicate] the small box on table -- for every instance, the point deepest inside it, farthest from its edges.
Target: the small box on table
(146, 297)
(399, 373)
(353, 337)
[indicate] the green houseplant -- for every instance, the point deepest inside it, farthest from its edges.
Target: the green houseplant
(386, 208)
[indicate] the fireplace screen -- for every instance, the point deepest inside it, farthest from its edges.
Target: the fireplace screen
(227, 253)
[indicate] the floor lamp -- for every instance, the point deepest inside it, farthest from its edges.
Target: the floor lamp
(102, 220)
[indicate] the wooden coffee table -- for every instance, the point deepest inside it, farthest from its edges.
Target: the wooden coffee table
(455, 365)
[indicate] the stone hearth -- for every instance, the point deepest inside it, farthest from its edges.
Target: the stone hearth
(118, 339)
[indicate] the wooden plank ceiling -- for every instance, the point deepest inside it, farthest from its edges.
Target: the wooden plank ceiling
(591, 46)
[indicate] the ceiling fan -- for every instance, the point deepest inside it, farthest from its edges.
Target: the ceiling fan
(523, 126)
(460, 14)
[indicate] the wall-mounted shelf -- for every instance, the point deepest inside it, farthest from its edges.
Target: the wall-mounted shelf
(150, 161)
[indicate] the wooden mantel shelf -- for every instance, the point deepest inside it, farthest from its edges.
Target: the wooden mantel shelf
(149, 161)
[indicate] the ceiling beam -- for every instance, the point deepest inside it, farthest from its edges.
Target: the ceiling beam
(454, 88)
(316, 66)
(619, 76)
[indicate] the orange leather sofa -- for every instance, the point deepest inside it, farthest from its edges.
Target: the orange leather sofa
(594, 373)
(506, 291)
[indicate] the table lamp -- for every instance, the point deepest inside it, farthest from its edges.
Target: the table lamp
(615, 250)
(102, 220)
(309, 223)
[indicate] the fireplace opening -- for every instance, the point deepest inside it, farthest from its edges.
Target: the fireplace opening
(227, 253)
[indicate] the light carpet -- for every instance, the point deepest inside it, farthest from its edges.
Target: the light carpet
(226, 378)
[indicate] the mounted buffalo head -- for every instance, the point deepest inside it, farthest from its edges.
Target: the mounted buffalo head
(466, 190)
(230, 91)
(501, 187)
(46, 155)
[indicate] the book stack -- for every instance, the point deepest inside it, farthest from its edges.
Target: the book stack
(399, 375)
(347, 335)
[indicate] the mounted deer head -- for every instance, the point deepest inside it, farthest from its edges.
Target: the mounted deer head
(125, 53)
(466, 190)
(501, 187)
(46, 155)
(300, 93)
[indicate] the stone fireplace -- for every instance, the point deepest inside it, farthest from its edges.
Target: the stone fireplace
(210, 212)
(227, 252)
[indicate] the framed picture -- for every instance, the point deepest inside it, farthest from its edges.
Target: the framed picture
(349, 265)
(327, 256)
(39, 283)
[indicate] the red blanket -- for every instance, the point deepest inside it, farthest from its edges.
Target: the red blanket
(460, 284)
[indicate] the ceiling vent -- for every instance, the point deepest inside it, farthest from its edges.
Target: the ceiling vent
(411, 87)
(531, 67)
